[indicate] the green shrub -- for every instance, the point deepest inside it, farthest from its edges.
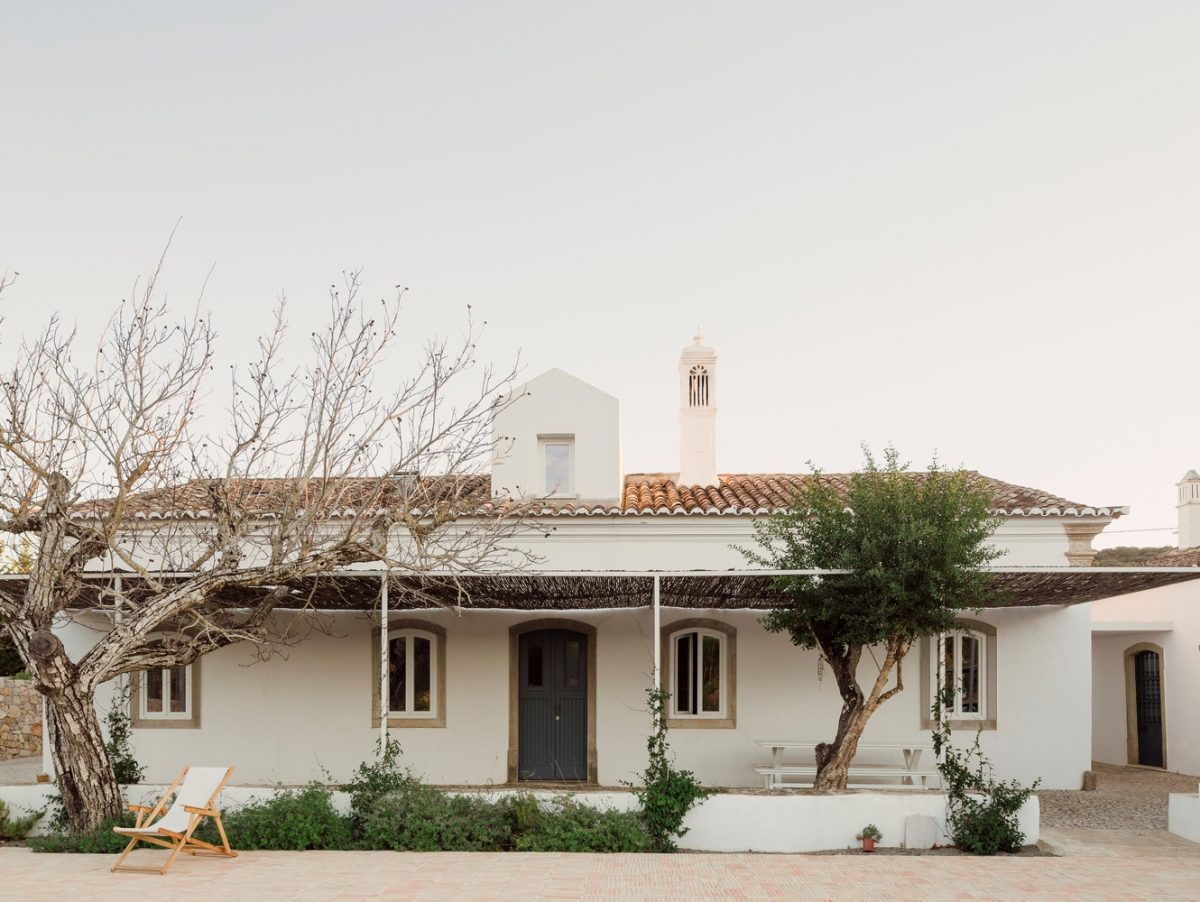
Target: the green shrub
(375, 781)
(120, 737)
(291, 820)
(981, 811)
(987, 825)
(102, 841)
(422, 818)
(16, 827)
(570, 826)
(667, 793)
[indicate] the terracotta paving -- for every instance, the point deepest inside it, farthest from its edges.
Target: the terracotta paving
(1155, 872)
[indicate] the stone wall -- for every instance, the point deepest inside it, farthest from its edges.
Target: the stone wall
(20, 719)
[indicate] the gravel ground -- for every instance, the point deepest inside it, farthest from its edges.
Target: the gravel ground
(1126, 798)
(16, 771)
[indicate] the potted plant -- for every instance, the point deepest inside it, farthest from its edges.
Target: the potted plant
(868, 835)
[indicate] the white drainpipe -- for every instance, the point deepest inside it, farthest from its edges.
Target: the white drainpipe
(383, 664)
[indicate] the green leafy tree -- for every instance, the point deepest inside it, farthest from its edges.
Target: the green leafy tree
(1129, 555)
(915, 548)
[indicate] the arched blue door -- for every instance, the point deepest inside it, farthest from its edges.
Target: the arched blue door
(552, 705)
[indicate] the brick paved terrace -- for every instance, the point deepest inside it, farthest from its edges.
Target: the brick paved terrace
(1168, 870)
(1100, 845)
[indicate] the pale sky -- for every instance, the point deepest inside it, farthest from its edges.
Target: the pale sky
(969, 227)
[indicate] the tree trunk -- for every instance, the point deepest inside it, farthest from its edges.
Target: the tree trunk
(833, 759)
(84, 772)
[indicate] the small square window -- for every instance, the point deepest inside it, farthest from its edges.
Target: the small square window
(558, 465)
(166, 693)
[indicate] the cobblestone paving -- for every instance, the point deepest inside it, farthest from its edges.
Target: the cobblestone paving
(1125, 798)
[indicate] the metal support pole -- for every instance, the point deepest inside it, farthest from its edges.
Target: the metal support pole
(383, 664)
(657, 639)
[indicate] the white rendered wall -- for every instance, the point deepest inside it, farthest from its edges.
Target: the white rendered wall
(308, 716)
(1178, 606)
(690, 542)
(294, 717)
(558, 404)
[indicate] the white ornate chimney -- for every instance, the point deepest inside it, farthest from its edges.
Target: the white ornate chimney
(698, 414)
(1189, 510)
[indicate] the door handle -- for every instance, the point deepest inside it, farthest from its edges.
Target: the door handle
(557, 711)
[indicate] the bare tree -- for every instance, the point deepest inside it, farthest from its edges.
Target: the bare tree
(104, 465)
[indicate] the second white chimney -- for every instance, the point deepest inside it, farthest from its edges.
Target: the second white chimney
(698, 415)
(1189, 510)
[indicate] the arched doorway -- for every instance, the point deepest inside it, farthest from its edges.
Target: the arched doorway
(1145, 708)
(552, 714)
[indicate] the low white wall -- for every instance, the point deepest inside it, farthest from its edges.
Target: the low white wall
(814, 823)
(1183, 816)
(722, 823)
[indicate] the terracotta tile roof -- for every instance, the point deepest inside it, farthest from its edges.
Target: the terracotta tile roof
(1188, 557)
(645, 494)
(341, 498)
(761, 493)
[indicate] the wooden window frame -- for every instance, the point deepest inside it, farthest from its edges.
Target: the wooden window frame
(403, 719)
(543, 442)
(409, 634)
(141, 720)
(989, 719)
(727, 719)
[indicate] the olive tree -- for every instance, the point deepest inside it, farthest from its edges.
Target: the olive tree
(306, 468)
(915, 548)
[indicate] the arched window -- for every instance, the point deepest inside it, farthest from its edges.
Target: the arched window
(961, 665)
(698, 668)
(698, 386)
(412, 673)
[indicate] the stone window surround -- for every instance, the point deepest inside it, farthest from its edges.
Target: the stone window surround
(438, 720)
(729, 722)
(137, 722)
(514, 684)
(990, 719)
(1131, 729)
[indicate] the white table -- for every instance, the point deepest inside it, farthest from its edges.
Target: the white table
(911, 751)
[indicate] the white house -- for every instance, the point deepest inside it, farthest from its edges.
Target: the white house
(1146, 661)
(548, 682)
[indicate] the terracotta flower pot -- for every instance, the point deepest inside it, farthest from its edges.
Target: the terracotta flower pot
(868, 844)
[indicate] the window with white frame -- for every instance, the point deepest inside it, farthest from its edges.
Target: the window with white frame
(698, 664)
(557, 455)
(412, 670)
(165, 693)
(960, 663)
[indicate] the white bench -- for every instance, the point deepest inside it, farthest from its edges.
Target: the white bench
(774, 774)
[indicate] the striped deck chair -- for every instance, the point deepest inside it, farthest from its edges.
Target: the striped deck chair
(195, 793)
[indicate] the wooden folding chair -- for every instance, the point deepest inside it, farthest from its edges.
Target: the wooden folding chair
(195, 793)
